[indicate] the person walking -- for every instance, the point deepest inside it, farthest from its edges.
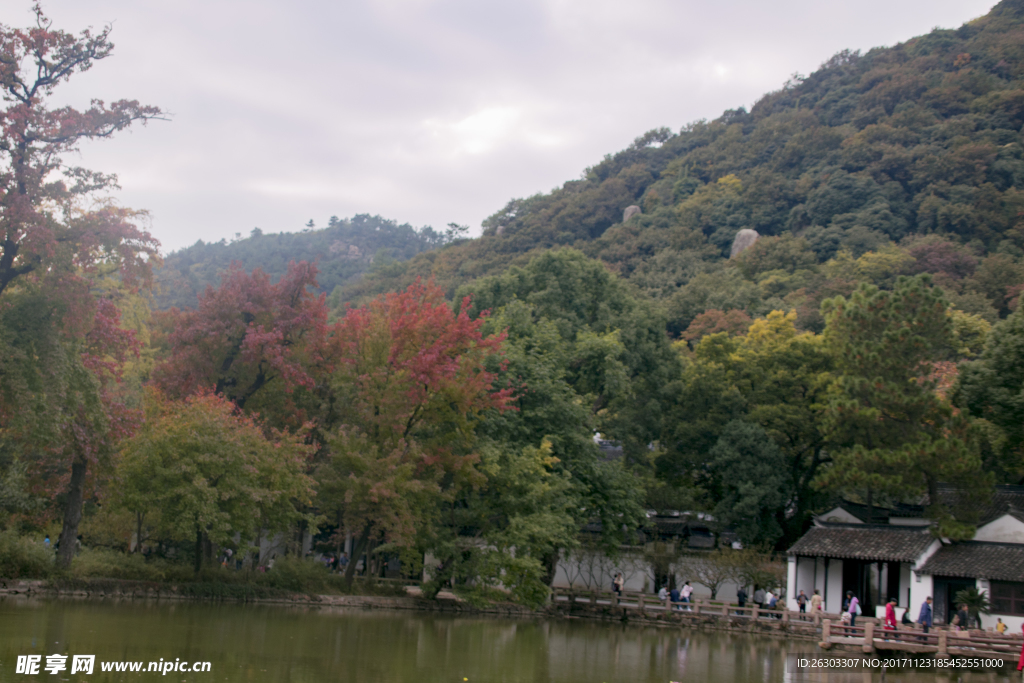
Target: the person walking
(854, 608)
(925, 617)
(816, 601)
(801, 601)
(684, 594)
(741, 596)
(759, 596)
(618, 583)
(1020, 663)
(890, 615)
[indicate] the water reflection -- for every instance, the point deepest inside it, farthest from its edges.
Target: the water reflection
(291, 644)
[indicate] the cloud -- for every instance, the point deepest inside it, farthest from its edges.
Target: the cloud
(428, 111)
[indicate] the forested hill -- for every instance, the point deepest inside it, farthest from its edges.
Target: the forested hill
(902, 160)
(344, 250)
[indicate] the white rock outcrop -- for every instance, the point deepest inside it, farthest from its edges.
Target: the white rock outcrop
(744, 238)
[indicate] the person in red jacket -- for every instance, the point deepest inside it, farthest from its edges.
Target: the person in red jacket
(1020, 664)
(890, 615)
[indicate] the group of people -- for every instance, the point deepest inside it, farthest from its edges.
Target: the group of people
(677, 597)
(815, 602)
(765, 599)
(335, 563)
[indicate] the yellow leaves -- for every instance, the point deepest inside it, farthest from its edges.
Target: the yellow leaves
(886, 263)
(731, 182)
(777, 323)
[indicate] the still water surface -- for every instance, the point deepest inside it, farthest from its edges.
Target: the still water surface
(253, 643)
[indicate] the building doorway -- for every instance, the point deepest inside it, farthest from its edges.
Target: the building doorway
(945, 588)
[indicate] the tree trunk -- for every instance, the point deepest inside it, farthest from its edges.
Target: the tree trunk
(72, 515)
(341, 537)
(138, 532)
(550, 562)
(199, 549)
(357, 551)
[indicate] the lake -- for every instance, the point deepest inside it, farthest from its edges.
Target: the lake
(258, 643)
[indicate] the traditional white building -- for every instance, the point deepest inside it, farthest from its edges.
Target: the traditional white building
(883, 553)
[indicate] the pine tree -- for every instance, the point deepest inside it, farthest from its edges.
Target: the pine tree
(891, 432)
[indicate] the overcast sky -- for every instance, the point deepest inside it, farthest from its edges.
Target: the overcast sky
(427, 111)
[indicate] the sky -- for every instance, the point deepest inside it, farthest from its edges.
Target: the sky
(425, 111)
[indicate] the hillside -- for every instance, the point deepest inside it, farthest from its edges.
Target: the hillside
(344, 250)
(904, 159)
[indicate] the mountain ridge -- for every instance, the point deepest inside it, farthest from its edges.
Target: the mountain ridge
(866, 156)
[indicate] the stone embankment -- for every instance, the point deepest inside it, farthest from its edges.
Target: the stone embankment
(115, 589)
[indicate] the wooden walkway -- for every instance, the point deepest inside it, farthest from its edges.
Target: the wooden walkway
(868, 636)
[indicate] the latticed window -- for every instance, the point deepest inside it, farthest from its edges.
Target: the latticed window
(1007, 597)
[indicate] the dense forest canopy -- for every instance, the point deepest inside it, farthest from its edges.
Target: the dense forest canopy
(902, 160)
(343, 251)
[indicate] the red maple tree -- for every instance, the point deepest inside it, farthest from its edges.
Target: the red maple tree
(55, 231)
(40, 224)
(253, 342)
(410, 381)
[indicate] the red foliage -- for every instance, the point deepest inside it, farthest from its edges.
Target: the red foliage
(250, 334)
(40, 227)
(712, 321)
(933, 254)
(93, 424)
(410, 368)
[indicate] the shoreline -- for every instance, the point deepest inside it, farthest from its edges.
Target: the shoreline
(126, 590)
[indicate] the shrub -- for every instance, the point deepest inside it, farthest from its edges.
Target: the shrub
(111, 564)
(21, 557)
(301, 576)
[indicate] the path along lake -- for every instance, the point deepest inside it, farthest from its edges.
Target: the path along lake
(272, 644)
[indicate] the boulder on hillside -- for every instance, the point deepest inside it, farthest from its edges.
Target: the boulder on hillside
(744, 238)
(631, 210)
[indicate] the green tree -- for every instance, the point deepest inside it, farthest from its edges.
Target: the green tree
(774, 377)
(992, 388)
(891, 434)
(542, 370)
(207, 472)
(751, 477)
(621, 359)
(501, 532)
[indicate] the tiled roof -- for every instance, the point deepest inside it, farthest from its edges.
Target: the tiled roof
(877, 514)
(874, 542)
(978, 560)
(1004, 499)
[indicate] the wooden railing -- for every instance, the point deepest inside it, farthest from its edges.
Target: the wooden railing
(942, 643)
(868, 634)
(645, 603)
